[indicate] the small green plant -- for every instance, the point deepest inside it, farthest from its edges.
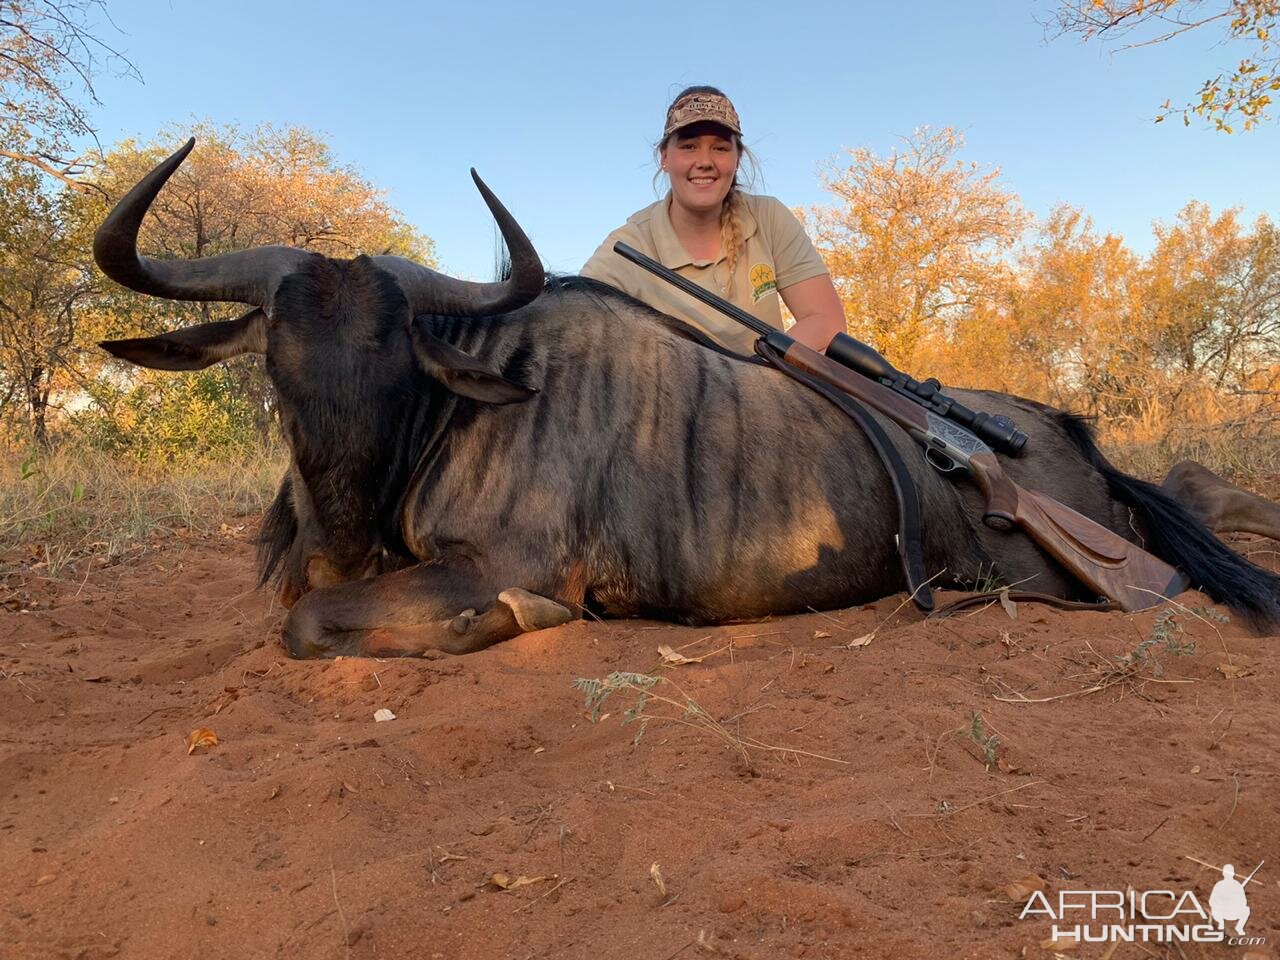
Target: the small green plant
(598, 691)
(986, 580)
(1168, 635)
(988, 743)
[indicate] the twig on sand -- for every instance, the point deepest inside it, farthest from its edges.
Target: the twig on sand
(893, 820)
(1235, 800)
(1218, 739)
(342, 917)
(969, 806)
(1152, 831)
(756, 636)
(1020, 698)
(88, 568)
(559, 883)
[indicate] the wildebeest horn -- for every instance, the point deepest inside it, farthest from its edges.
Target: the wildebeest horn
(432, 292)
(247, 276)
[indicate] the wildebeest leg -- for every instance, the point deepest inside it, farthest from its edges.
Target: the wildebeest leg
(411, 611)
(1221, 506)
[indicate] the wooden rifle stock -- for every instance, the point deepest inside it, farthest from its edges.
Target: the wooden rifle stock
(1102, 560)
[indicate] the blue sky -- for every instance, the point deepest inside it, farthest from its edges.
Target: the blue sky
(557, 104)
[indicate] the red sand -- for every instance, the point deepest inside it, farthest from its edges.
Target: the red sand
(311, 831)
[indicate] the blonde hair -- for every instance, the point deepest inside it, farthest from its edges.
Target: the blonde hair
(731, 211)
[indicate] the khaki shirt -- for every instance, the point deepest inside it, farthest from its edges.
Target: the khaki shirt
(777, 254)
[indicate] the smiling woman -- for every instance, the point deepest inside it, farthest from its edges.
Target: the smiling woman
(747, 248)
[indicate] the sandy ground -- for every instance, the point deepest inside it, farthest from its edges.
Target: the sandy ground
(878, 819)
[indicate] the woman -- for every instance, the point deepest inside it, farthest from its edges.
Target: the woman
(748, 249)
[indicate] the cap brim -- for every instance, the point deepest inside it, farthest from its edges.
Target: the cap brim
(700, 121)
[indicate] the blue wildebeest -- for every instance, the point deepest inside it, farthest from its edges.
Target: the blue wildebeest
(470, 460)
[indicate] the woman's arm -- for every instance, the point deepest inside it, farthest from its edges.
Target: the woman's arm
(817, 309)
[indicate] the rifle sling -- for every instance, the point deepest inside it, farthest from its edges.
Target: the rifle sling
(1020, 596)
(910, 526)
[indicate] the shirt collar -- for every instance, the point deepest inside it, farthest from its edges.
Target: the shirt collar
(671, 251)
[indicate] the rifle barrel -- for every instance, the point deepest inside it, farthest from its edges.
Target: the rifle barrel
(759, 327)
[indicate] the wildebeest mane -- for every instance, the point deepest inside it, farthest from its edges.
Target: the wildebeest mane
(608, 296)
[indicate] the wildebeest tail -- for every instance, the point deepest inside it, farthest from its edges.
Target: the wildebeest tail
(1180, 539)
(277, 533)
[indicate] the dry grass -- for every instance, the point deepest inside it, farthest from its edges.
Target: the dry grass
(79, 502)
(1242, 445)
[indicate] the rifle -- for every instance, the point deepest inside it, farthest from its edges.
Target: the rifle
(1102, 560)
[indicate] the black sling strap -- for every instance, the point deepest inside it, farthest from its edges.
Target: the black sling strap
(910, 527)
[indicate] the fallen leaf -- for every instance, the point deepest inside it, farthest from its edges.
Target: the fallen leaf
(383, 715)
(669, 656)
(203, 737)
(1010, 607)
(821, 635)
(1004, 766)
(275, 792)
(1020, 890)
(861, 641)
(1234, 671)
(656, 873)
(1196, 768)
(503, 882)
(46, 878)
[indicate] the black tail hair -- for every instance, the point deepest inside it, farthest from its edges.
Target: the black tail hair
(1180, 539)
(277, 533)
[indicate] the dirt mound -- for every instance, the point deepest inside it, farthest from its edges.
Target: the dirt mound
(851, 784)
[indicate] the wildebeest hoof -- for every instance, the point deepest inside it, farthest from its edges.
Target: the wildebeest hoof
(533, 612)
(463, 622)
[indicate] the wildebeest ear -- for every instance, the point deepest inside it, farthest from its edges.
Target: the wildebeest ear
(463, 373)
(193, 348)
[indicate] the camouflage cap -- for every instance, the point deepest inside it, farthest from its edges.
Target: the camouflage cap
(701, 108)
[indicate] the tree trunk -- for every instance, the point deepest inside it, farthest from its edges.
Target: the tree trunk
(38, 404)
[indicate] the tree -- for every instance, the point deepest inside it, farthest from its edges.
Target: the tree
(1240, 95)
(47, 48)
(45, 284)
(1214, 288)
(916, 239)
(1076, 314)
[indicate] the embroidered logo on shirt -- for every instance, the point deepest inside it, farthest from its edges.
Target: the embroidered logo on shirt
(762, 281)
